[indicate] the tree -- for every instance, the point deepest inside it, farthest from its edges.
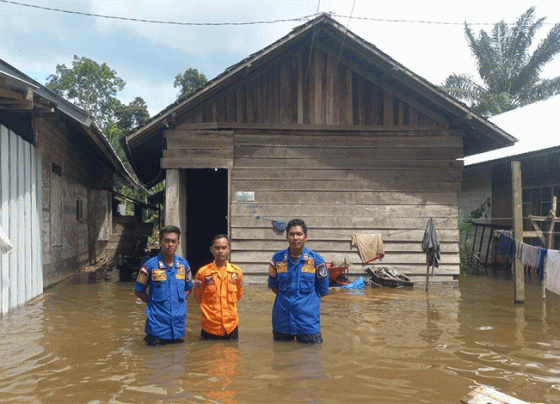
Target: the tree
(510, 74)
(188, 82)
(89, 85)
(132, 115)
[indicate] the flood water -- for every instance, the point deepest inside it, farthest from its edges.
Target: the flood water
(81, 342)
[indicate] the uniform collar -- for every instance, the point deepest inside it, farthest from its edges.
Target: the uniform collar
(175, 260)
(229, 268)
(304, 255)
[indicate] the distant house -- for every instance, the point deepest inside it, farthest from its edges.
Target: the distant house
(487, 176)
(57, 171)
(320, 125)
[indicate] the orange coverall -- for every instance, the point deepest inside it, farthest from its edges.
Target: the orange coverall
(217, 291)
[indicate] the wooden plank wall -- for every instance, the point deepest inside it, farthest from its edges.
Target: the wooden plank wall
(388, 182)
(198, 149)
(391, 166)
(21, 270)
(69, 243)
(297, 89)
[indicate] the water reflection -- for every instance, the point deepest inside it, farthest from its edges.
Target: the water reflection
(218, 364)
(81, 342)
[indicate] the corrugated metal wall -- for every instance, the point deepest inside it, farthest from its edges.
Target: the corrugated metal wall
(21, 269)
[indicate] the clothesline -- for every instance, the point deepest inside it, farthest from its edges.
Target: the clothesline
(539, 259)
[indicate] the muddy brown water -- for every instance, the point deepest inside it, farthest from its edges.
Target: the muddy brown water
(81, 342)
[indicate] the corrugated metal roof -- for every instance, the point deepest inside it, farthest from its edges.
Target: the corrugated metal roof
(534, 125)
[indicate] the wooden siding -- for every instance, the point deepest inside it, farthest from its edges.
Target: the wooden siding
(70, 175)
(340, 184)
(316, 137)
(21, 270)
(317, 90)
(198, 149)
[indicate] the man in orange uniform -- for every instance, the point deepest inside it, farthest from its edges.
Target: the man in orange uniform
(217, 288)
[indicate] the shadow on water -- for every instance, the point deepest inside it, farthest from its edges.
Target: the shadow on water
(81, 342)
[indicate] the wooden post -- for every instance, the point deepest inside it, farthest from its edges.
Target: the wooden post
(427, 276)
(519, 272)
(552, 216)
(175, 204)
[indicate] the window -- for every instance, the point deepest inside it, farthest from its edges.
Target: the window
(79, 210)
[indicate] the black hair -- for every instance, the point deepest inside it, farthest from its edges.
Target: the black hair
(219, 236)
(296, 222)
(169, 229)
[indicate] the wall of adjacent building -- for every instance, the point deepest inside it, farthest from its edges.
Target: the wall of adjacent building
(21, 274)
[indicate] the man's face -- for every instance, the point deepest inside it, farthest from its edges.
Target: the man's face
(169, 243)
(296, 237)
(220, 249)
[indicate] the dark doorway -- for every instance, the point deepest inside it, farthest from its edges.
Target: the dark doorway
(207, 210)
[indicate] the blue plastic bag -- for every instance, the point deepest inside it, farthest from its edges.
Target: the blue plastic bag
(357, 284)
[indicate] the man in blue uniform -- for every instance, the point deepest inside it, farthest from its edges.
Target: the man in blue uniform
(169, 282)
(298, 277)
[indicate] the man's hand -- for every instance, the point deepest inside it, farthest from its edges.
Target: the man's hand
(141, 295)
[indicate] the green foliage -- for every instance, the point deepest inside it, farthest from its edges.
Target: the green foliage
(188, 82)
(94, 87)
(89, 85)
(510, 74)
(132, 115)
(467, 257)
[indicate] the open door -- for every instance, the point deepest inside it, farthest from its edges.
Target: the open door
(207, 212)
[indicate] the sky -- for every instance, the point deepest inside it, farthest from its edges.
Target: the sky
(148, 56)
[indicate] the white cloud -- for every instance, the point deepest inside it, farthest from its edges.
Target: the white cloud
(148, 56)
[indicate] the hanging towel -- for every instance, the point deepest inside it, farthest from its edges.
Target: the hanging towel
(5, 244)
(430, 244)
(370, 246)
(552, 268)
(528, 254)
(506, 246)
(541, 260)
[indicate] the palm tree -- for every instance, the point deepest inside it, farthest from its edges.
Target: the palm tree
(509, 73)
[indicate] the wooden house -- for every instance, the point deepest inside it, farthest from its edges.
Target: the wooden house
(57, 173)
(323, 126)
(487, 177)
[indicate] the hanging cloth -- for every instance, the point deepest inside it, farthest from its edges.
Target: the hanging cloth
(370, 246)
(430, 244)
(552, 268)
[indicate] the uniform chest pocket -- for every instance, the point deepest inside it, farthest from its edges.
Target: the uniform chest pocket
(180, 287)
(209, 292)
(232, 292)
(158, 291)
(307, 284)
(283, 282)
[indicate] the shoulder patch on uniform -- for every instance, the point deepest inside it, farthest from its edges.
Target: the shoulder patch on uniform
(142, 276)
(322, 271)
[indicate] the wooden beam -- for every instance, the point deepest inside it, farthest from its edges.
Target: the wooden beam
(349, 98)
(300, 74)
(318, 79)
(519, 292)
(552, 216)
(367, 73)
(538, 231)
(7, 93)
